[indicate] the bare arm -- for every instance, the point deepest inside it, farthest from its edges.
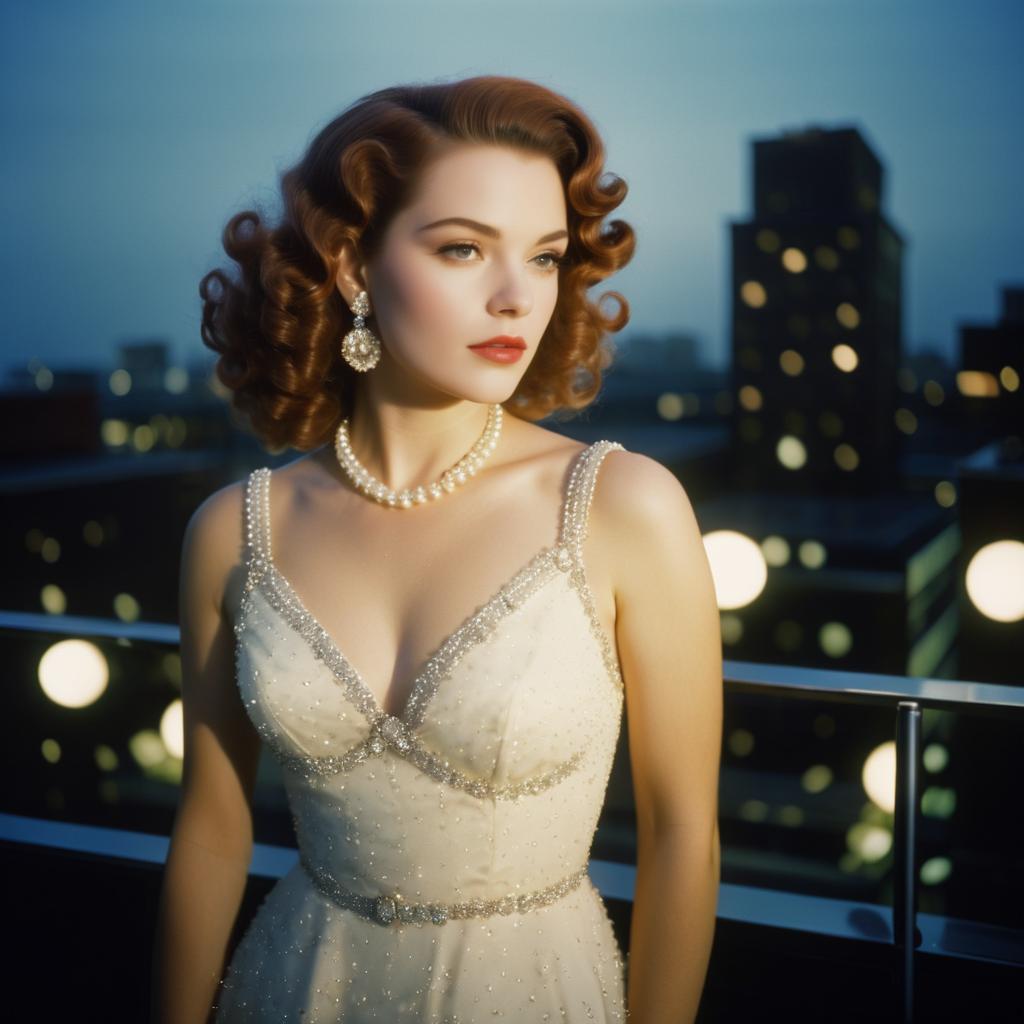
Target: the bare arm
(669, 640)
(211, 845)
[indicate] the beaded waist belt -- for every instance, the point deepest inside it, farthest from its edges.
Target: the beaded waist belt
(388, 909)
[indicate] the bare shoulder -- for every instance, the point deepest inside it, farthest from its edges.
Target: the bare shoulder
(635, 490)
(212, 548)
(644, 516)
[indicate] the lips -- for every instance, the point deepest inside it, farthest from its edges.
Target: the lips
(503, 341)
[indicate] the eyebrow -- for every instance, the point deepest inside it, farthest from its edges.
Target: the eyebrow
(484, 229)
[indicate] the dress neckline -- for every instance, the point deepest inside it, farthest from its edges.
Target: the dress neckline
(436, 665)
(564, 554)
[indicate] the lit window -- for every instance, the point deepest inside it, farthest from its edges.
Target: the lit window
(906, 421)
(846, 457)
(753, 294)
(847, 315)
(792, 362)
(845, 357)
(933, 392)
(977, 384)
(794, 261)
(750, 398)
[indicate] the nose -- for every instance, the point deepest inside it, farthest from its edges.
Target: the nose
(513, 294)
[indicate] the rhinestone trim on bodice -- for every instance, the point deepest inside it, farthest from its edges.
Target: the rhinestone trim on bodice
(397, 733)
(394, 908)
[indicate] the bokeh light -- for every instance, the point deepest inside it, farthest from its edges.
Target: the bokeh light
(753, 294)
(737, 566)
(794, 260)
(172, 729)
(73, 673)
(776, 550)
(995, 580)
(878, 776)
(791, 452)
(845, 358)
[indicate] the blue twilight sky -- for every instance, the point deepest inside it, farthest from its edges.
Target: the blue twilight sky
(132, 130)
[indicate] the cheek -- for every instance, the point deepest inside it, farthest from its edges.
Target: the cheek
(419, 294)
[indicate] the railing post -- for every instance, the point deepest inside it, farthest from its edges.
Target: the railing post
(904, 894)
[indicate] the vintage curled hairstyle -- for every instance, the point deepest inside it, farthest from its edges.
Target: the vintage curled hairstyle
(278, 326)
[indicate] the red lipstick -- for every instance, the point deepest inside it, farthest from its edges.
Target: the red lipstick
(502, 349)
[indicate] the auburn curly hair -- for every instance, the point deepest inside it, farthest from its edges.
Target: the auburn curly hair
(278, 326)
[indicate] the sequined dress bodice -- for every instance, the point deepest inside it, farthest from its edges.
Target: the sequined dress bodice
(481, 797)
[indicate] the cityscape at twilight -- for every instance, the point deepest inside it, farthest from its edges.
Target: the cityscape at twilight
(847, 421)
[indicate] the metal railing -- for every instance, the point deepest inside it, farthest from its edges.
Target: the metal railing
(908, 930)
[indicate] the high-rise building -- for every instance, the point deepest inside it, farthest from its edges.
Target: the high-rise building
(817, 319)
(992, 364)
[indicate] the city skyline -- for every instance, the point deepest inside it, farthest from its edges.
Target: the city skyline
(134, 135)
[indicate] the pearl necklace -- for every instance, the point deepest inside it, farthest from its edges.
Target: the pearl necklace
(448, 481)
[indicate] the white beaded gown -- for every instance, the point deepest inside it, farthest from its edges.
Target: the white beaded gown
(443, 851)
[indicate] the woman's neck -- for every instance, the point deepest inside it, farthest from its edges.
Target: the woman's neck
(405, 445)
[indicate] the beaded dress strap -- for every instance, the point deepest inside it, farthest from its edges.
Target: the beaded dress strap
(580, 493)
(257, 536)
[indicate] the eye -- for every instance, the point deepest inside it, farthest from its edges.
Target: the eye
(556, 260)
(459, 245)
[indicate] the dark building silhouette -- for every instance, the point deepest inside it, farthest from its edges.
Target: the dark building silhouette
(817, 319)
(992, 365)
(862, 582)
(146, 360)
(861, 567)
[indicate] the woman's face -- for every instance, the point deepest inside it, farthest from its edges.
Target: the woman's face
(437, 288)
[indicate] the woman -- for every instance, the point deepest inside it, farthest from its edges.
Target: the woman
(420, 305)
